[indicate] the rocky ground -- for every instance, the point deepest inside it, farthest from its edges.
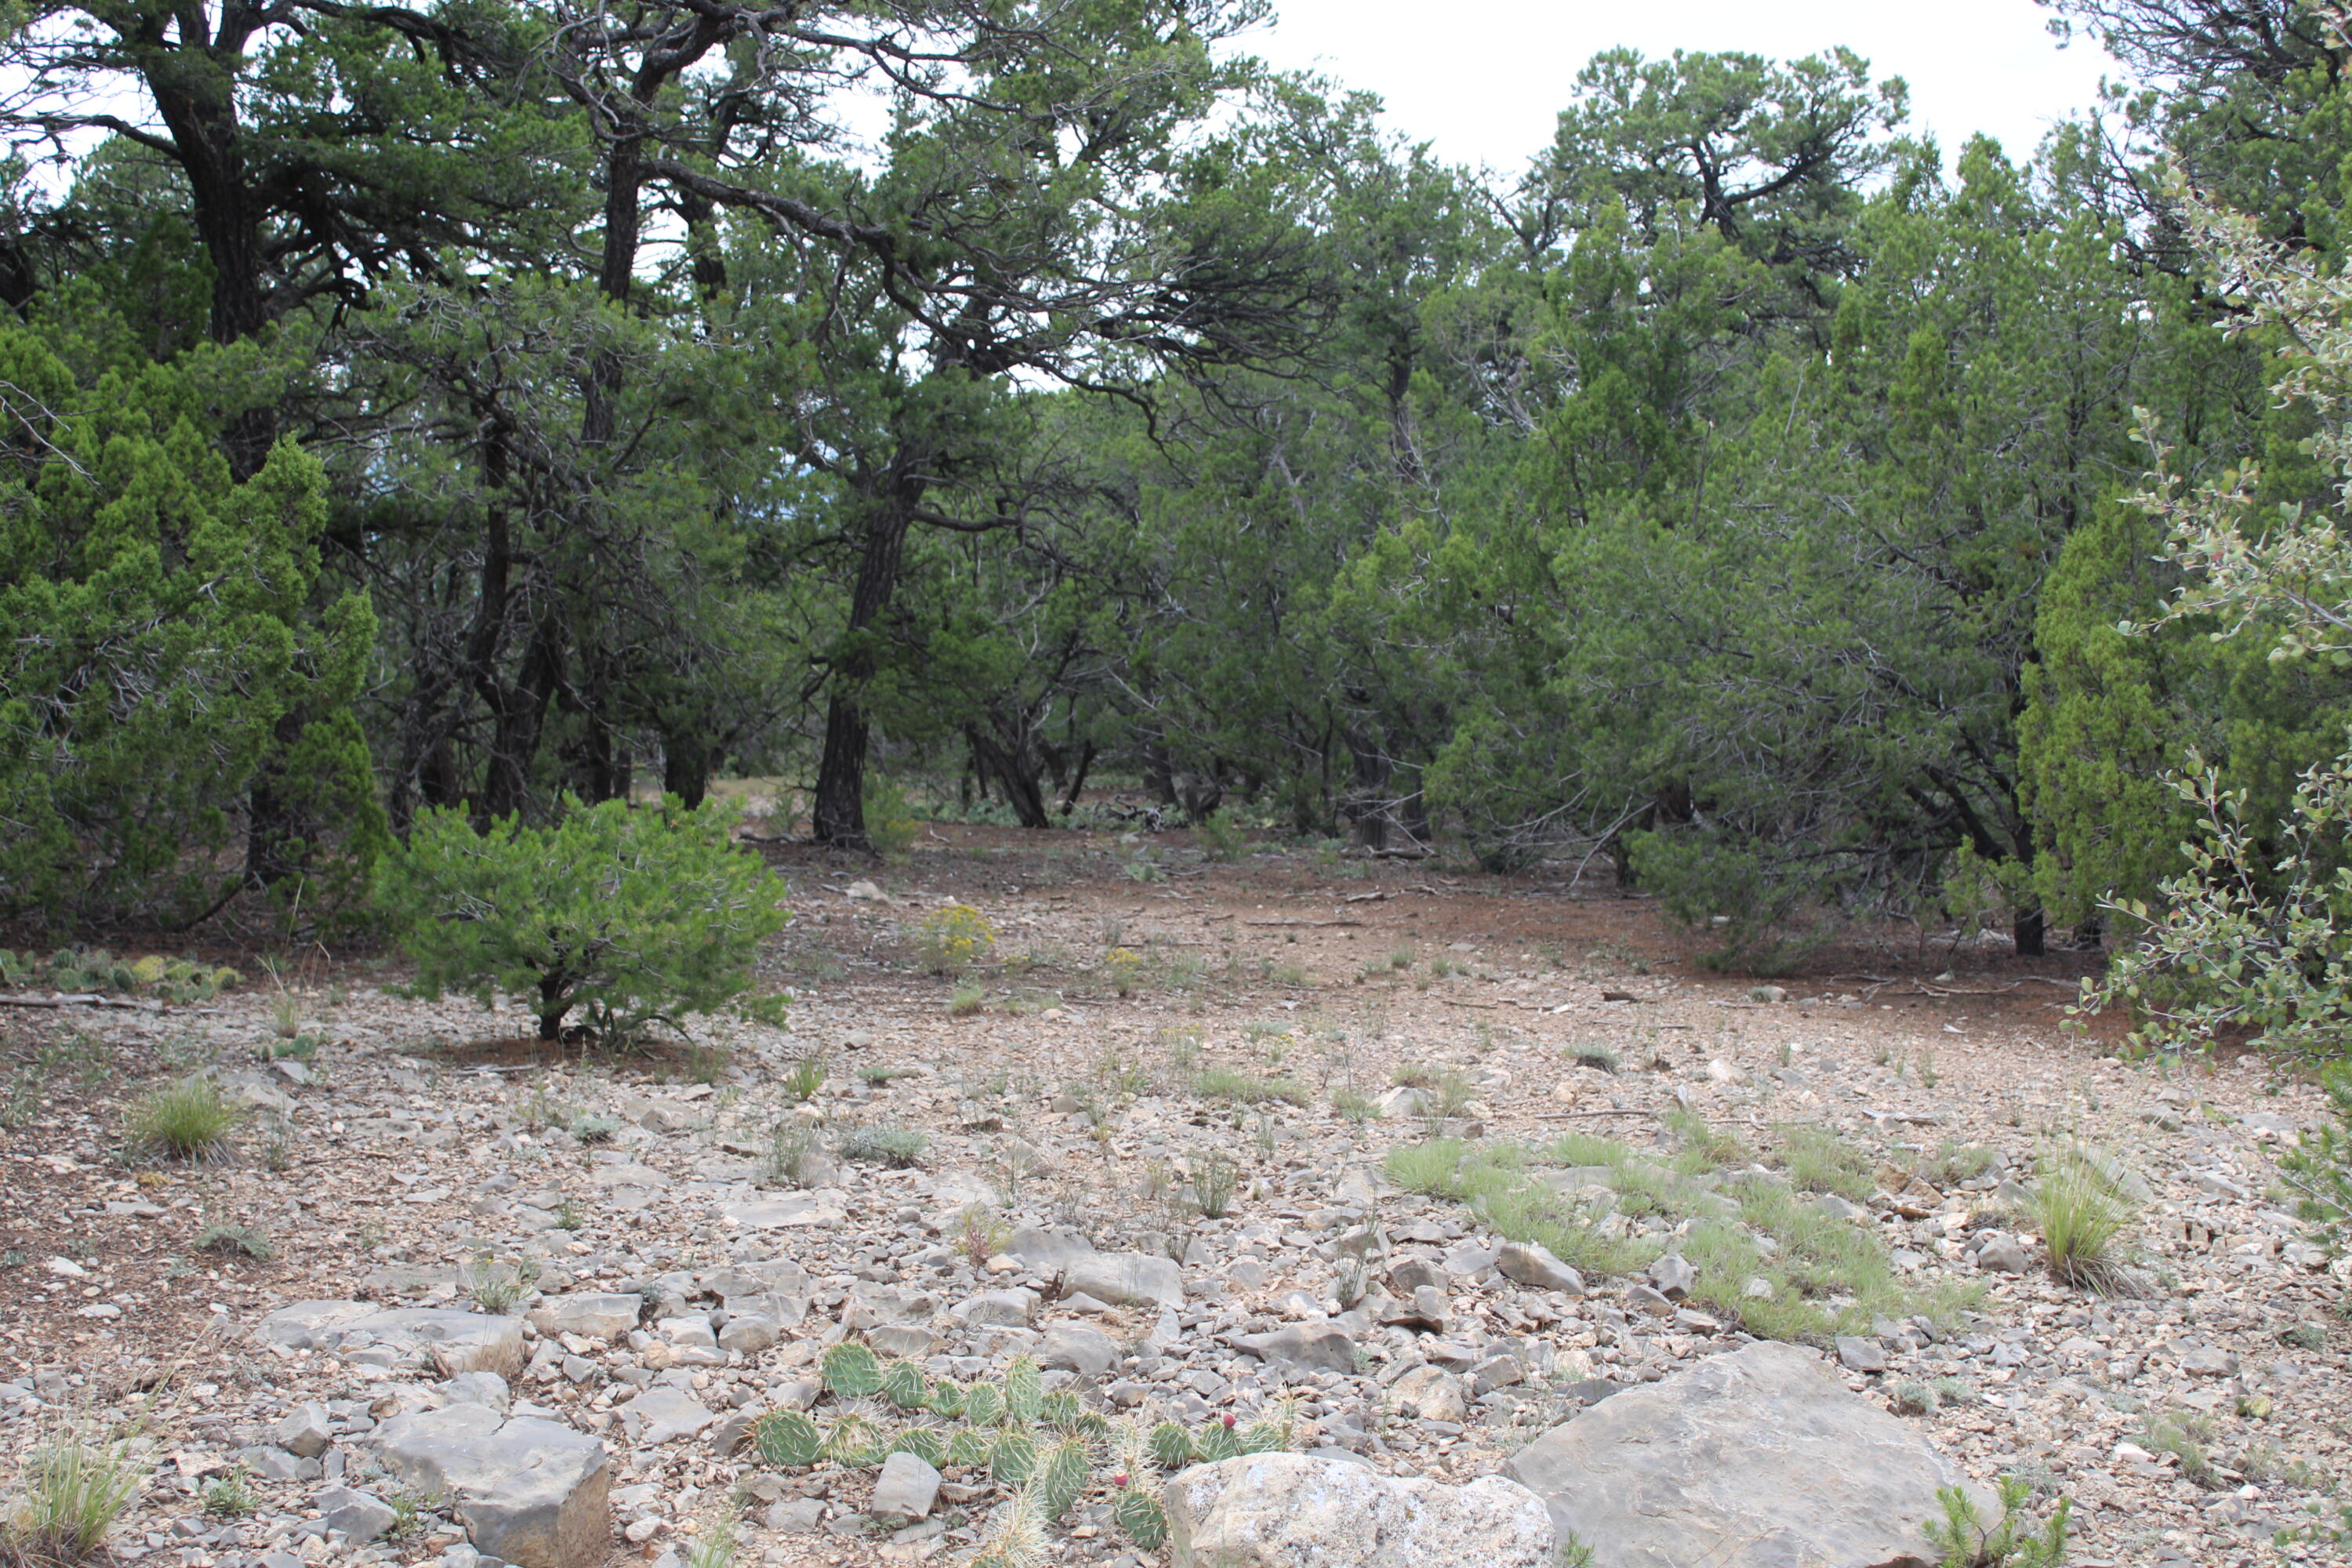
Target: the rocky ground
(1013, 1162)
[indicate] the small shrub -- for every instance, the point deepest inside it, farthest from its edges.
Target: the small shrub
(2321, 1170)
(891, 825)
(595, 1129)
(965, 1000)
(900, 1148)
(1220, 838)
(235, 1241)
(2081, 1218)
(789, 1147)
(187, 1120)
(73, 1489)
(954, 938)
(1967, 1541)
(979, 1235)
(632, 917)
(1214, 1181)
(231, 1496)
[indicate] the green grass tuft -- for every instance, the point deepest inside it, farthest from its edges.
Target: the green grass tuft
(187, 1120)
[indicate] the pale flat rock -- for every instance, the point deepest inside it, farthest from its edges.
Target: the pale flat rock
(792, 1211)
(1049, 1248)
(1295, 1510)
(1318, 1346)
(628, 1175)
(453, 1341)
(534, 1493)
(905, 1490)
(597, 1315)
(1525, 1263)
(1127, 1280)
(1760, 1459)
(660, 1414)
(1431, 1392)
(1074, 1347)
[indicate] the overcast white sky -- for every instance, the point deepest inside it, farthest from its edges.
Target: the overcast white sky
(1484, 79)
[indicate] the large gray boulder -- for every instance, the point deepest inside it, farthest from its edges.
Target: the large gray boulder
(1295, 1510)
(531, 1493)
(1761, 1459)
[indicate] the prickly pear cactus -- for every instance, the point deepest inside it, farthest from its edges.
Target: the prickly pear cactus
(851, 1371)
(789, 1439)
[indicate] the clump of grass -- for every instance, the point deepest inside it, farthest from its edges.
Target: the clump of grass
(186, 1119)
(2082, 1219)
(1414, 1075)
(1704, 1148)
(73, 1491)
(1915, 1397)
(715, 1546)
(1593, 1054)
(880, 1077)
(966, 1000)
(498, 1290)
(804, 1078)
(235, 1241)
(706, 1064)
(1356, 1107)
(1819, 1160)
(1953, 1163)
(2184, 1435)
(1227, 1083)
(900, 1148)
(1401, 958)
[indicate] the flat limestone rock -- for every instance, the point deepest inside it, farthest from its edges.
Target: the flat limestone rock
(453, 1342)
(1126, 1280)
(793, 1210)
(597, 1314)
(1760, 1459)
(534, 1493)
(1295, 1510)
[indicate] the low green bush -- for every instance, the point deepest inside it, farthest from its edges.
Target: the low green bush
(630, 916)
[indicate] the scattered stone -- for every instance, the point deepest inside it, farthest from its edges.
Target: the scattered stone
(357, 1514)
(1072, 1347)
(1524, 1263)
(659, 1414)
(1293, 1511)
(302, 1431)
(1758, 1459)
(1674, 1276)
(905, 1489)
(1857, 1354)
(1431, 1392)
